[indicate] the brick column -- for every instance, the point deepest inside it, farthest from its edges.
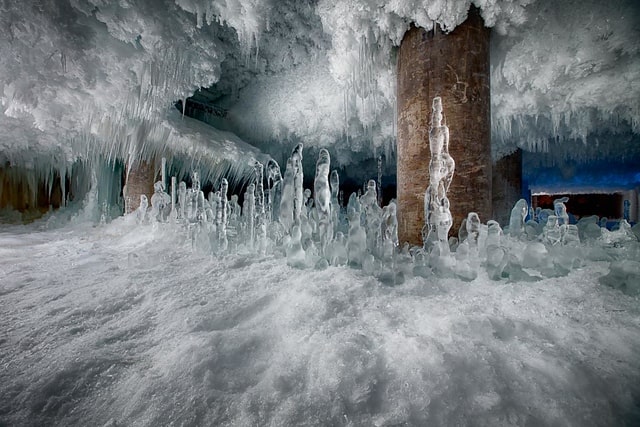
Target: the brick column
(454, 66)
(140, 180)
(507, 185)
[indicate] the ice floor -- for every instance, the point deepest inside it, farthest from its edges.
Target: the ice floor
(117, 326)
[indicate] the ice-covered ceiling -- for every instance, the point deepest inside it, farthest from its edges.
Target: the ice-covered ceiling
(80, 77)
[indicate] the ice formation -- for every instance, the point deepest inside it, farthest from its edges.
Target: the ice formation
(312, 229)
(363, 234)
(323, 199)
(88, 87)
(438, 219)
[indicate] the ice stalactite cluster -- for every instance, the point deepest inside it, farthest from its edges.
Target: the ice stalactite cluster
(86, 77)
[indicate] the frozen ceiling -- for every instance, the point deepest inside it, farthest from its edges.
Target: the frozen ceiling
(86, 77)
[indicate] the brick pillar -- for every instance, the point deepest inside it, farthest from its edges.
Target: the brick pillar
(507, 185)
(454, 66)
(140, 180)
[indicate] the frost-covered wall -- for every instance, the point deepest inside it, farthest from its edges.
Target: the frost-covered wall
(80, 77)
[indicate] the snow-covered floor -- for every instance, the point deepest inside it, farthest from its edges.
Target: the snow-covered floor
(118, 326)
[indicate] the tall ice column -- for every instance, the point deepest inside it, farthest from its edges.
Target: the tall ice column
(455, 67)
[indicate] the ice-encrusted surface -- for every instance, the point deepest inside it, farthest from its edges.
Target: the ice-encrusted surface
(87, 75)
(125, 325)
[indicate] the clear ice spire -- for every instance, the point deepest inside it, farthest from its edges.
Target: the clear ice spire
(261, 221)
(291, 203)
(438, 219)
(334, 181)
(298, 181)
(221, 215)
(274, 179)
(285, 215)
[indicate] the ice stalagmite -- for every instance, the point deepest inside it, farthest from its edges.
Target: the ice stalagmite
(560, 209)
(261, 221)
(379, 180)
(182, 200)
(473, 225)
(285, 215)
(390, 230)
(438, 219)
(248, 213)
(159, 203)
(516, 220)
(496, 256)
(201, 216)
(551, 234)
(259, 171)
(221, 215)
(334, 181)
(291, 203)
(274, 181)
(174, 213)
(323, 199)
(233, 221)
(357, 240)
(373, 217)
(142, 209)
(298, 179)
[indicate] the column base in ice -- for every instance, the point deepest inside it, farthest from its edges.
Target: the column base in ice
(140, 180)
(507, 185)
(454, 66)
